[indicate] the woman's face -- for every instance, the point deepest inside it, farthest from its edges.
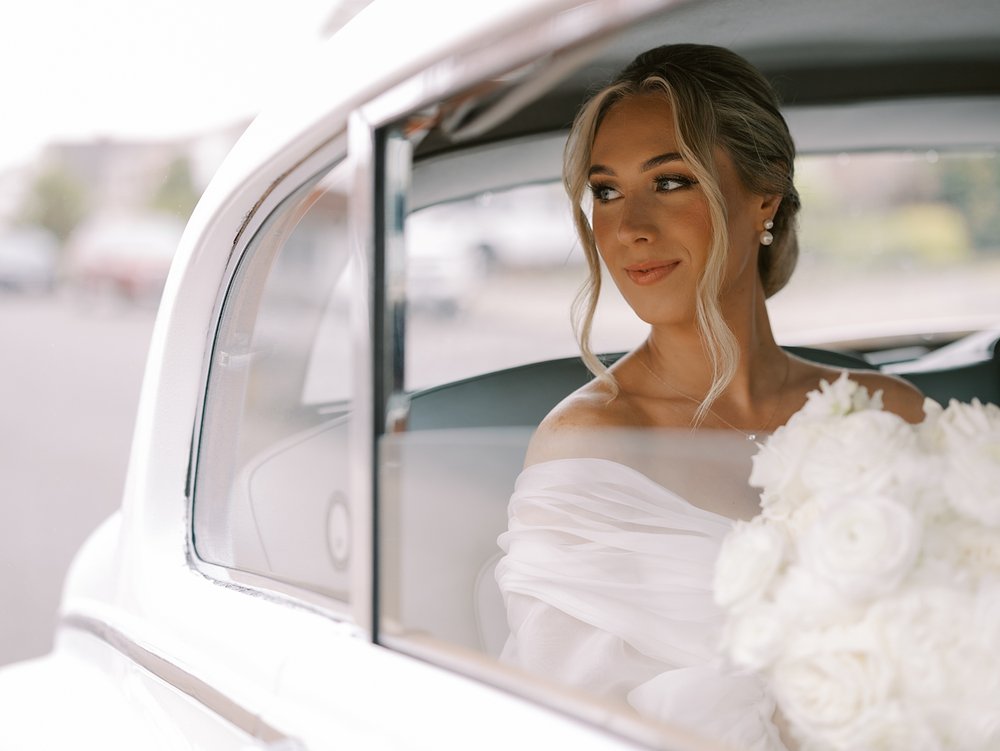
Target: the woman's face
(651, 217)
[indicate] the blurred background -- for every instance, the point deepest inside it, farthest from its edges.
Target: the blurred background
(116, 115)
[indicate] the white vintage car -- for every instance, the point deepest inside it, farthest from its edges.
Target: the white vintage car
(303, 557)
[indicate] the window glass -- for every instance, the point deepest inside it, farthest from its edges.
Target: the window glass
(271, 493)
(892, 244)
(908, 238)
(900, 251)
(490, 283)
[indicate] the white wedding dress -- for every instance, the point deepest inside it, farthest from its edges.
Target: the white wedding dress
(607, 581)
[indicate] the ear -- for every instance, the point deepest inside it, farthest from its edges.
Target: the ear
(768, 207)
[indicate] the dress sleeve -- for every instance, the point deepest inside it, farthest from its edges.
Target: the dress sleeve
(607, 581)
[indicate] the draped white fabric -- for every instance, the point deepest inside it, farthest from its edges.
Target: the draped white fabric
(607, 580)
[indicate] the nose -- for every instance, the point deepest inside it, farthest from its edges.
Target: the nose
(635, 222)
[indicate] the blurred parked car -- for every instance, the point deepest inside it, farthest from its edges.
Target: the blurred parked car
(303, 557)
(123, 255)
(28, 258)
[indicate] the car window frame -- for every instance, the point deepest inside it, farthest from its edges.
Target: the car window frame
(343, 147)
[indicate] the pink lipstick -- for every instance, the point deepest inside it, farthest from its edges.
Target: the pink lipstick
(650, 272)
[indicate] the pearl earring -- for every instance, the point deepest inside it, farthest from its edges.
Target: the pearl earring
(766, 238)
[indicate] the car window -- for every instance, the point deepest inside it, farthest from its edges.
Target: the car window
(908, 237)
(481, 292)
(493, 277)
(483, 268)
(900, 251)
(893, 243)
(271, 493)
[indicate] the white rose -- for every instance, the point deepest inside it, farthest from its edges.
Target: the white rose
(776, 470)
(970, 436)
(811, 603)
(754, 637)
(969, 419)
(863, 546)
(864, 452)
(835, 686)
(748, 561)
(842, 397)
(958, 552)
(926, 635)
(972, 487)
(943, 642)
(929, 430)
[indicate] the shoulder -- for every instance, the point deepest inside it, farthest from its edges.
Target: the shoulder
(570, 429)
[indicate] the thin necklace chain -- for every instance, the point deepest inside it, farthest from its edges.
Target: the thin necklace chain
(720, 418)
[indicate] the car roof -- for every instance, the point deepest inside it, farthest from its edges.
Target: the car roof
(855, 74)
(817, 54)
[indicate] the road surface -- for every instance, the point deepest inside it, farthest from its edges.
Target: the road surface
(70, 376)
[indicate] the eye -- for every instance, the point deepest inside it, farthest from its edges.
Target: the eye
(668, 183)
(604, 193)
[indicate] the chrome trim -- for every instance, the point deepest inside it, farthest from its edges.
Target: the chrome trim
(278, 591)
(203, 693)
(361, 243)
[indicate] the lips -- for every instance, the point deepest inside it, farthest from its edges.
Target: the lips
(650, 272)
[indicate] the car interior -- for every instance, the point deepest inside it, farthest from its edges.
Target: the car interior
(858, 78)
(853, 77)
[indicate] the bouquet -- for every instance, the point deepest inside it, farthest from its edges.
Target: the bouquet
(867, 592)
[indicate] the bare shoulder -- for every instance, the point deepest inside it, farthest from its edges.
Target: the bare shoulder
(570, 429)
(898, 396)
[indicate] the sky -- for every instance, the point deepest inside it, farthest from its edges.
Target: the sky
(81, 69)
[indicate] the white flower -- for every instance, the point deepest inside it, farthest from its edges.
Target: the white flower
(863, 546)
(776, 470)
(755, 637)
(876, 625)
(925, 633)
(811, 602)
(958, 552)
(969, 420)
(929, 431)
(842, 397)
(864, 452)
(970, 436)
(941, 639)
(748, 561)
(835, 685)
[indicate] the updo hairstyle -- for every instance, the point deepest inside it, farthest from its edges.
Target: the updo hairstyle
(717, 99)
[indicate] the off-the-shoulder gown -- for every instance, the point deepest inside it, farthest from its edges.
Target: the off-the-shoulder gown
(607, 580)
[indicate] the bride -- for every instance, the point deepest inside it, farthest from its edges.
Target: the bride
(680, 177)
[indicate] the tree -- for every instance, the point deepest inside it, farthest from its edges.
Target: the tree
(57, 200)
(973, 185)
(176, 194)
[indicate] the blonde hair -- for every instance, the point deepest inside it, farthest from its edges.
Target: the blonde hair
(717, 99)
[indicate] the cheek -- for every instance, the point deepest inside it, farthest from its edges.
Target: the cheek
(604, 235)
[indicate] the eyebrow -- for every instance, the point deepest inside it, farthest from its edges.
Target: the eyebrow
(656, 161)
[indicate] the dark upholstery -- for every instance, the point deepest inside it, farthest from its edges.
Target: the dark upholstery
(524, 395)
(979, 380)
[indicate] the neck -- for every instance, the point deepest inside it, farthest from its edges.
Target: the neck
(678, 353)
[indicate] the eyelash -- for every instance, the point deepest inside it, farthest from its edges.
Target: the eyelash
(681, 182)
